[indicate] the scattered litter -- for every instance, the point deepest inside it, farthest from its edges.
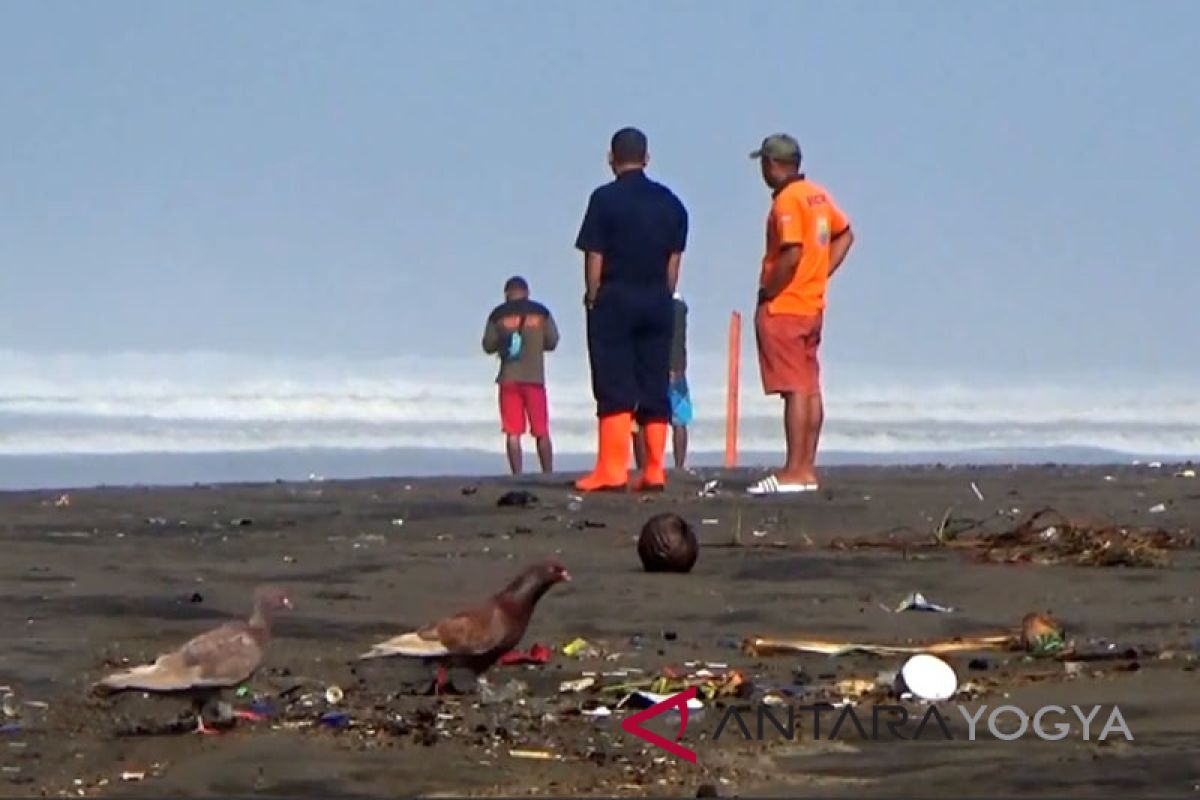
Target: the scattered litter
(578, 685)
(537, 755)
(509, 692)
(398, 522)
(645, 699)
(761, 646)
(11, 728)
(917, 602)
(242, 522)
(1157, 508)
(537, 654)
(599, 712)
(710, 489)
(854, 687)
(335, 719)
(1155, 465)
(63, 501)
(1041, 635)
(334, 695)
(242, 691)
(8, 705)
(758, 534)
(978, 493)
(130, 776)
(1186, 473)
(1048, 537)
(518, 499)
(928, 677)
(577, 648)
(710, 521)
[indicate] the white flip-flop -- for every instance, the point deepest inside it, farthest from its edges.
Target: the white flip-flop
(771, 485)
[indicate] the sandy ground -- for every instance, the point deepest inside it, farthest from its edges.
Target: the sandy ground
(125, 573)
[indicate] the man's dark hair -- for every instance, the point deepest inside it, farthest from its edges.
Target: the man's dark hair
(516, 283)
(629, 146)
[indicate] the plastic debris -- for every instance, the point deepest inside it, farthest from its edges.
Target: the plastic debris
(1041, 635)
(8, 705)
(599, 712)
(131, 776)
(398, 522)
(242, 691)
(63, 501)
(11, 728)
(917, 602)
(1186, 473)
(578, 685)
(928, 677)
(334, 695)
(854, 687)
(577, 648)
(762, 646)
(335, 719)
(709, 489)
(1158, 508)
(645, 699)
(537, 755)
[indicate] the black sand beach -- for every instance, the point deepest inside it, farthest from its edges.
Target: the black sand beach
(112, 574)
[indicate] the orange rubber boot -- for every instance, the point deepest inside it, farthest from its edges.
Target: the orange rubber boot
(612, 455)
(654, 475)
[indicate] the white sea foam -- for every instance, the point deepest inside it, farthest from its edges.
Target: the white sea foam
(197, 402)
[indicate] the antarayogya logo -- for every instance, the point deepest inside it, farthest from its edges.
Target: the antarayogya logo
(1005, 723)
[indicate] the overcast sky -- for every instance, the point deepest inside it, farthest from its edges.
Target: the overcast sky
(359, 178)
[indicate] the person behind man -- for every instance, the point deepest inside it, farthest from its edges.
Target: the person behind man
(633, 236)
(681, 400)
(808, 237)
(519, 332)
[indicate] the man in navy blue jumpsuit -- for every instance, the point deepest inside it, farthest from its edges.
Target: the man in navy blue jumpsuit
(633, 237)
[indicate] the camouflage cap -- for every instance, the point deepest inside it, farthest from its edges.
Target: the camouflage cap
(779, 147)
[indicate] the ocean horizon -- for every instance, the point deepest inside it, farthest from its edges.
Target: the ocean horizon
(70, 420)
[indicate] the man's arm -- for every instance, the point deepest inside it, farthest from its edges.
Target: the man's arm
(838, 249)
(491, 337)
(673, 262)
(591, 241)
(549, 334)
(593, 268)
(783, 271)
(680, 244)
(791, 221)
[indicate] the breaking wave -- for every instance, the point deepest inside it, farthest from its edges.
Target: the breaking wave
(205, 403)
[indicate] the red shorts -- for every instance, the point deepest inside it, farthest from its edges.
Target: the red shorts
(520, 402)
(787, 352)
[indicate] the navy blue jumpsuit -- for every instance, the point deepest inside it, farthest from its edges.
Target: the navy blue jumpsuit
(636, 224)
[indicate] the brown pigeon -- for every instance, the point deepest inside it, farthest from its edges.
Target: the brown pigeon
(219, 659)
(476, 638)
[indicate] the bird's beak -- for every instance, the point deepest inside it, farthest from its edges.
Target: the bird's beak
(565, 576)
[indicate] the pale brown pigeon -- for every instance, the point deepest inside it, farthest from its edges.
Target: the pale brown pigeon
(478, 637)
(219, 659)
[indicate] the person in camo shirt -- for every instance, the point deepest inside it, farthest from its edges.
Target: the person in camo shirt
(681, 400)
(526, 327)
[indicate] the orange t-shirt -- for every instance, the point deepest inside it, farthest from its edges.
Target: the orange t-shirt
(802, 214)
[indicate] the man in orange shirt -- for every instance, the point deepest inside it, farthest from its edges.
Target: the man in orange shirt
(808, 237)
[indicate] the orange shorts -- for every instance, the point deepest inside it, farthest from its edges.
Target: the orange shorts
(787, 352)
